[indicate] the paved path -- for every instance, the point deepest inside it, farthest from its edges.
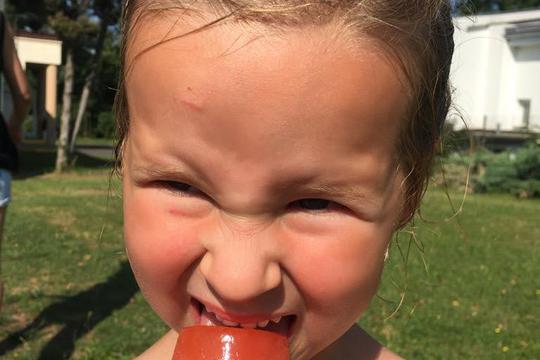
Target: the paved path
(102, 152)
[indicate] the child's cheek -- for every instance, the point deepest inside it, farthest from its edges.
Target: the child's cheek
(338, 276)
(339, 271)
(161, 238)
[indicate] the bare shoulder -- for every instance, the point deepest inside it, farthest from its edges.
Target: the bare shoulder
(162, 350)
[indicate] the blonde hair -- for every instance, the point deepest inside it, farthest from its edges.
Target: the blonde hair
(417, 34)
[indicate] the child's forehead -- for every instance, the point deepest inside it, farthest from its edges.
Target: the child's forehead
(181, 28)
(229, 65)
(298, 75)
(307, 60)
(287, 62)
(184, 35)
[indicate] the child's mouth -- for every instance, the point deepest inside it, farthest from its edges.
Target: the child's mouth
(277, 323)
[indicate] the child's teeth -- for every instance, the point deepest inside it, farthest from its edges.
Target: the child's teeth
(262, 324)
(249, 325)
(225, 322)
(228, 323)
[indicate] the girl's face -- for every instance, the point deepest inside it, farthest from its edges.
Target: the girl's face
(260, 183)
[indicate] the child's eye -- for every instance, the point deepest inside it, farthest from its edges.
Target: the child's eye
(313, 204)
(180, 187)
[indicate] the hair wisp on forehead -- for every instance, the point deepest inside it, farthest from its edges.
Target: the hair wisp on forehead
(416, 34)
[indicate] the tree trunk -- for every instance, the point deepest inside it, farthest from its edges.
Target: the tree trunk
(62, 147)
(82, 109)
(89, 82)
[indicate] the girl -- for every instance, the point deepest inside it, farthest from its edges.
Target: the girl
(268, 151)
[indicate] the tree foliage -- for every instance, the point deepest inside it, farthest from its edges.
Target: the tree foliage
(85, 27)
(79, 26)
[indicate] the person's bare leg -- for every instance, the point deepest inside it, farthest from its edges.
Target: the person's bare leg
(3, 211)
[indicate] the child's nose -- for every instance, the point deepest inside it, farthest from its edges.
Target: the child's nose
(239, 268)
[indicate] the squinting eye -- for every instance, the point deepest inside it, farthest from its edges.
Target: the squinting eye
(312, 204)
(181, 187)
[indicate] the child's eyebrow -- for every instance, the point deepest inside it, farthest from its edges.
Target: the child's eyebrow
(153, 172)
(344, 191)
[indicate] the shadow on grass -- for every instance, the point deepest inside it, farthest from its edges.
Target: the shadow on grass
(39, 160)
(77, 315)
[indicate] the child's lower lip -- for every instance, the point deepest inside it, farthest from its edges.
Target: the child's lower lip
(204, 318)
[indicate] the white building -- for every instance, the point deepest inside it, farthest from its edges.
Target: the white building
(41, 55)
(496, 72)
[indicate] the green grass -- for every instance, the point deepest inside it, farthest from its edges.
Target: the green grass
(69, 290)
(478, 294)
(69, 287)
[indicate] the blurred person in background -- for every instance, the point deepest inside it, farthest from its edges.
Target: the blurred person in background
(10, 131)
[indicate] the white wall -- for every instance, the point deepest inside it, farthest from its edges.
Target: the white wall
(491, 74)
(38, 51)
(528, 81)
(35, 51)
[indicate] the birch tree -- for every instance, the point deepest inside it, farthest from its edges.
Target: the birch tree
(108, 11)
(72, 25)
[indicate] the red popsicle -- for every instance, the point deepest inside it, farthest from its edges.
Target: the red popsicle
(228, 343)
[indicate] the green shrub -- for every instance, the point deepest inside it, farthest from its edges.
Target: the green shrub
(496, 173)
(526, 188)
(514, 172)
(528, 162)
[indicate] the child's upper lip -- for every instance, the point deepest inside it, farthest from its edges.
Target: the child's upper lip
(242, 318)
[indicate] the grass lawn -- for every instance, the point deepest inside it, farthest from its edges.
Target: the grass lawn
(70, 292)
(474, 291)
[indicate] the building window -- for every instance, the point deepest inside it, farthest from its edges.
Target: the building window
(525, 105)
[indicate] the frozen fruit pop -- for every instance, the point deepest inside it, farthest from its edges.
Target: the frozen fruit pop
(228, 343)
